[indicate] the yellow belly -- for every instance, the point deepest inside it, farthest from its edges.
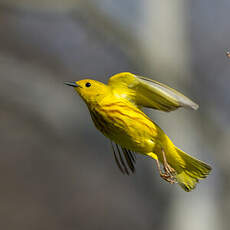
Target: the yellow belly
(131, 129)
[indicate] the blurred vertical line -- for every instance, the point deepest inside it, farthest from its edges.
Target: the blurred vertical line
(166, 50)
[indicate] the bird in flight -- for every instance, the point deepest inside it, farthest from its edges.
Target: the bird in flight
(115, 109)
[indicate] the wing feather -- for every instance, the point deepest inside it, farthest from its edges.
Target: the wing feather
(116, 159)
(149, 93)
(128, 163)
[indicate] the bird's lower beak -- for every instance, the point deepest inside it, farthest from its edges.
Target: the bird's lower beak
(73, 84)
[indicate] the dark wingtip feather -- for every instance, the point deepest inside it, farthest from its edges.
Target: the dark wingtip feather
(116, 159)
(129, 162)
(122, 161)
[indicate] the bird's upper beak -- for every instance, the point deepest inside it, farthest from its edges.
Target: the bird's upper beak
(73, 84)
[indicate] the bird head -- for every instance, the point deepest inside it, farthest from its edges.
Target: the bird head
(91, 91)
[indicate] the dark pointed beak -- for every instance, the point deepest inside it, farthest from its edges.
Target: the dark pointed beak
(73, 84)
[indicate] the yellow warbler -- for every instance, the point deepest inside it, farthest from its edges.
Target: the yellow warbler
(116, 111)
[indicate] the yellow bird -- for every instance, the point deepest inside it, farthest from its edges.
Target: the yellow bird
(116, 111)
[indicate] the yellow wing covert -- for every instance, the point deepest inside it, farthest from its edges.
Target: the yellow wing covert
(148, 93)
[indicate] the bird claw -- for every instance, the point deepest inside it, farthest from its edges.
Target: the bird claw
(169, 172)
(168, 177)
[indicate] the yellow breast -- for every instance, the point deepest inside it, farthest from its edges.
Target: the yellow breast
(125, 124)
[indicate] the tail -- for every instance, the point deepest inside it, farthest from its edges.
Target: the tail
(191, 171)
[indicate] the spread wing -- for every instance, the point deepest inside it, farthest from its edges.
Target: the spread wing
(146, 92)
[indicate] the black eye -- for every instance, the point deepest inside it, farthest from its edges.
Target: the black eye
(87, 84)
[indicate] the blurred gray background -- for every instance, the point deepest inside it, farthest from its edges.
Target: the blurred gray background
(56, 170)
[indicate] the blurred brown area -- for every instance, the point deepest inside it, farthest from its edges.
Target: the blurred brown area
(57, 171)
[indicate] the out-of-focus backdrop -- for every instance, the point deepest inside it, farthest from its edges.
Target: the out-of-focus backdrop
(56, 170)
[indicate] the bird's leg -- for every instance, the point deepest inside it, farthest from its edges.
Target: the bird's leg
(168, 173)
(168, 169)
(164, 175)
